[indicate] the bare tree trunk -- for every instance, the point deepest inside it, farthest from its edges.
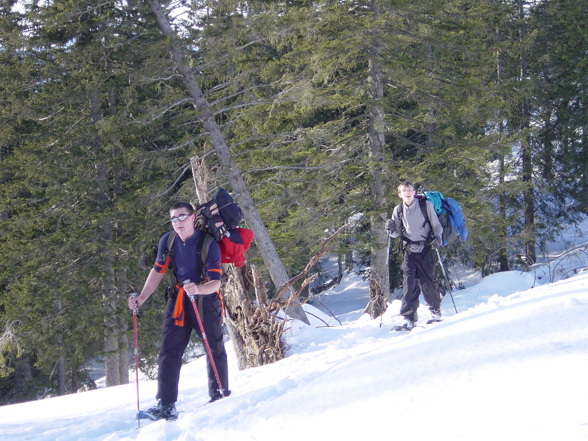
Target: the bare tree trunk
(583, 184)
(23, 376)
(502, 202)
(528, 195)
(379, 284)
(60, 367)
(502, 210)
(269, 254)
(124, 359)
(61, 386)
(110, 301)
(258, 331)
(111, 328)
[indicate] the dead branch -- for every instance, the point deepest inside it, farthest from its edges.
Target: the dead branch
(200, 175)
(287, 286)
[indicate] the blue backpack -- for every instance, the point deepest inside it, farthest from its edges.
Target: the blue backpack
(449, 213)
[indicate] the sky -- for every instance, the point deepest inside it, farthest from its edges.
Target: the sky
(512, 364)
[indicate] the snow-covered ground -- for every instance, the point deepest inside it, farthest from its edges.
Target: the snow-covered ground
(511, 365)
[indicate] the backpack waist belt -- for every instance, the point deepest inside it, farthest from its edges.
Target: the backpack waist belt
(416, 242)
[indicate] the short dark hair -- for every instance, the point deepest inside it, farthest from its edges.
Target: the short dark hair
(182, 204)
(405, 184)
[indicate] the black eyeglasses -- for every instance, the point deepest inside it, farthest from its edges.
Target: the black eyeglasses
(181, 218)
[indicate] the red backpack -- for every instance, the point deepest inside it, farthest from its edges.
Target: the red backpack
(234, 245)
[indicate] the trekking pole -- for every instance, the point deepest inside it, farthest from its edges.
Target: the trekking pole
(387, 278)
(446, 278)
(206, 344)
(136, 354)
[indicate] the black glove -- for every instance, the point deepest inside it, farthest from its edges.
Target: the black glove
(390, 226)
(435, 243)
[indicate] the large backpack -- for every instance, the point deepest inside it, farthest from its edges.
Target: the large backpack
(449, 213)
(219, 215)
(219, 219)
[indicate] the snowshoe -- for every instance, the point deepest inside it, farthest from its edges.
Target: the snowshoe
(163, 411)
(407, 325)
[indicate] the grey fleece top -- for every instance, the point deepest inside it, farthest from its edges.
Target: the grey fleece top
(416, 227)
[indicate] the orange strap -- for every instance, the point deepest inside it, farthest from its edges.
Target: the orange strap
(179, 315)
(179, 307)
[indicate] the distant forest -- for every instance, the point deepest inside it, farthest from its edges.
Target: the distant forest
(319, 108)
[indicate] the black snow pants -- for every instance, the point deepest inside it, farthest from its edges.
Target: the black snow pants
(175, 339)
(419, 274)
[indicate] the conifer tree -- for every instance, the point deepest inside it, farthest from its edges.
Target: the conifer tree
(558, 69)
(325, 108)
(406, 103)
(529, 144)
(83, 183)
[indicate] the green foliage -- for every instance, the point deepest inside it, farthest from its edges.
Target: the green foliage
(96, 134)
(10, 349)
(82, 187)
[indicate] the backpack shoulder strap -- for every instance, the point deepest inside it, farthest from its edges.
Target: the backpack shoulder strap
(170, 240)
(205, 246)
(423, 205)
(203, 249)
(400, 213)
(169, 252)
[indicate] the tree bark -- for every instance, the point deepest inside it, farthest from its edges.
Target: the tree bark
(379, 284)
(502, 197)
(60, 366)
(112, 325)
(264, 244)
(528, 195)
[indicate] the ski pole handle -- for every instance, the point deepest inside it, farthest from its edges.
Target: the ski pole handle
(134, 297)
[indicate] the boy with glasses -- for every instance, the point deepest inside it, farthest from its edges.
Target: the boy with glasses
(420, 236)
(184, 260)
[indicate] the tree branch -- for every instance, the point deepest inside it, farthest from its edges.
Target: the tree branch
(288, 285)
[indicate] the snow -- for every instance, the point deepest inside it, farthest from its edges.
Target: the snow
(511, 364)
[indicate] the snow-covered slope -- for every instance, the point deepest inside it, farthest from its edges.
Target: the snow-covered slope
(511, 365)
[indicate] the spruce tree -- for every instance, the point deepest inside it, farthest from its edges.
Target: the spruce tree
(559, 68)
(87, 181)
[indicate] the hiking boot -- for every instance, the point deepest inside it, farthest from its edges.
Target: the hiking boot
(164, 409)
(168, 410)
(407, 324)
(436, 316)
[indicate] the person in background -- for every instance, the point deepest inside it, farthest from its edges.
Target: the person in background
(421, 233)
